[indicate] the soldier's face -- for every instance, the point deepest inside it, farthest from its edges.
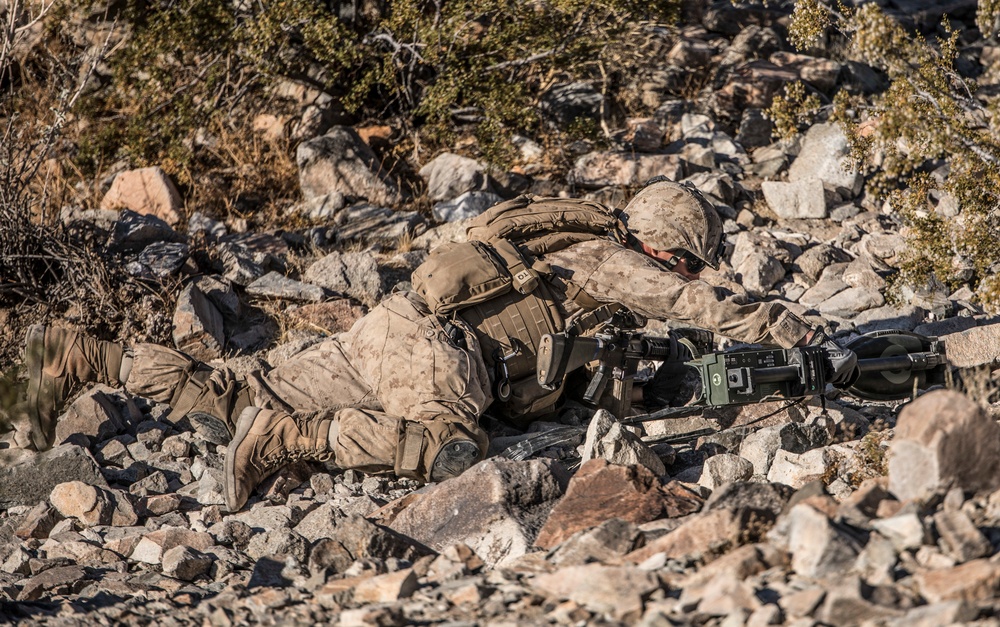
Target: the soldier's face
(680, 267)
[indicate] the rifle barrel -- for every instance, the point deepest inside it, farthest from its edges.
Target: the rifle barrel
(911, 361)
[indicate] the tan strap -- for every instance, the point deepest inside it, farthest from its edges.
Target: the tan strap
(525, 278)
(411, 449)
(189, 389)
(594, 318)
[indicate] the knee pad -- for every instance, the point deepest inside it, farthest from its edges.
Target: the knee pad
(439, 448)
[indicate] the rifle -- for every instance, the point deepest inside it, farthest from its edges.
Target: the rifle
(892, 365)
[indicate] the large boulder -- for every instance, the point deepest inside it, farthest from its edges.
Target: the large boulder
(943, 440)
(496, 508)
(795, 200)
(146, 191)
(602, 491)
(824, 151)
(341, 161)
(449, 175)
(607, 439)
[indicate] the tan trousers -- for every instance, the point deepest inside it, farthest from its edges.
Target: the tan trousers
(393, 376)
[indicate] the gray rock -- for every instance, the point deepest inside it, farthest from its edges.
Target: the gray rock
(204, 225)
(755, 129)
(221, 293)
(813, 261)
(198, 327)
(906, 531)
(824, 149)
(943, 440)
(830, 284)
(769, 498)
(975, 347)
(607, 439)
(796, 470)
(569, 101)
(859, 273)
(843, 212)
(363, 539)
(28, 478)
(321, 207)
(614, 590)
(163, 259)
(444, 234)
(719, 470)
(185, 563)
(211, 488)
(449, 176)
(497, 508)
(715, 184)
(341, 161)
(604, 169)
(356, 274)
(133, 232)
(947, 326)
(944, 613)
(750, 243)
(152, 546)
(845, 604)
(320, 523)
(242, 266)
(465, 206)
(759, 273)
(372, 223)
(819, 548)
(278, 542)
(852, 301)
(70, 579)
(960, 538)
(759, 448)
(276, 285)
(94, 415)
(605, 543)
(889, 317)
(796, 200)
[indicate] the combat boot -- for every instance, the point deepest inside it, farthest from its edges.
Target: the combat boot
(56, 359)
(267, 440)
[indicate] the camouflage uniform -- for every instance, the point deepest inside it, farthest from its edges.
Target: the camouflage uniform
(397, 370)
(394, 370)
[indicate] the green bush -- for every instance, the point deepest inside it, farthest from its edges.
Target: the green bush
(204, 64)
(929, 115)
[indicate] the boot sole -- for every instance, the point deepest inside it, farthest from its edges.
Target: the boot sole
(34, 358)
(210, 428)
(243, 425)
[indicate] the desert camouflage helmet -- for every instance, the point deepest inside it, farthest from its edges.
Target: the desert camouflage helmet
(670, 216)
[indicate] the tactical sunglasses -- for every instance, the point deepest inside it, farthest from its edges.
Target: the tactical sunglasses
(694, 264)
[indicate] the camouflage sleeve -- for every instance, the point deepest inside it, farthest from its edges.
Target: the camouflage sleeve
(610, 273)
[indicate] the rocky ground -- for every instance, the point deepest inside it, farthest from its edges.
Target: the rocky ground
(843, 512)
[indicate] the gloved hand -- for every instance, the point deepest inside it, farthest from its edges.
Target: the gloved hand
(842, 363)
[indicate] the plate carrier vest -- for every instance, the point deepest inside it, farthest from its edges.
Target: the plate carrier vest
(499, 285)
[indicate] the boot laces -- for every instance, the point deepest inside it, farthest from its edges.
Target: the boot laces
(285, 455)
(291, 455)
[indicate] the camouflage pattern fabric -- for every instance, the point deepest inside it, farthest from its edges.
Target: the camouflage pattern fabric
(395, 367)
(611, 273)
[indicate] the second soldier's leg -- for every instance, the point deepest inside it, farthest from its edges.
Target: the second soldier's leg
(412, 408)
(210, 397)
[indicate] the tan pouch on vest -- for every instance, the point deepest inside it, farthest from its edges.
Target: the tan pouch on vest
(458, 275)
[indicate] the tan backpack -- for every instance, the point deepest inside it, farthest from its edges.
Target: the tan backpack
(496, 283)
